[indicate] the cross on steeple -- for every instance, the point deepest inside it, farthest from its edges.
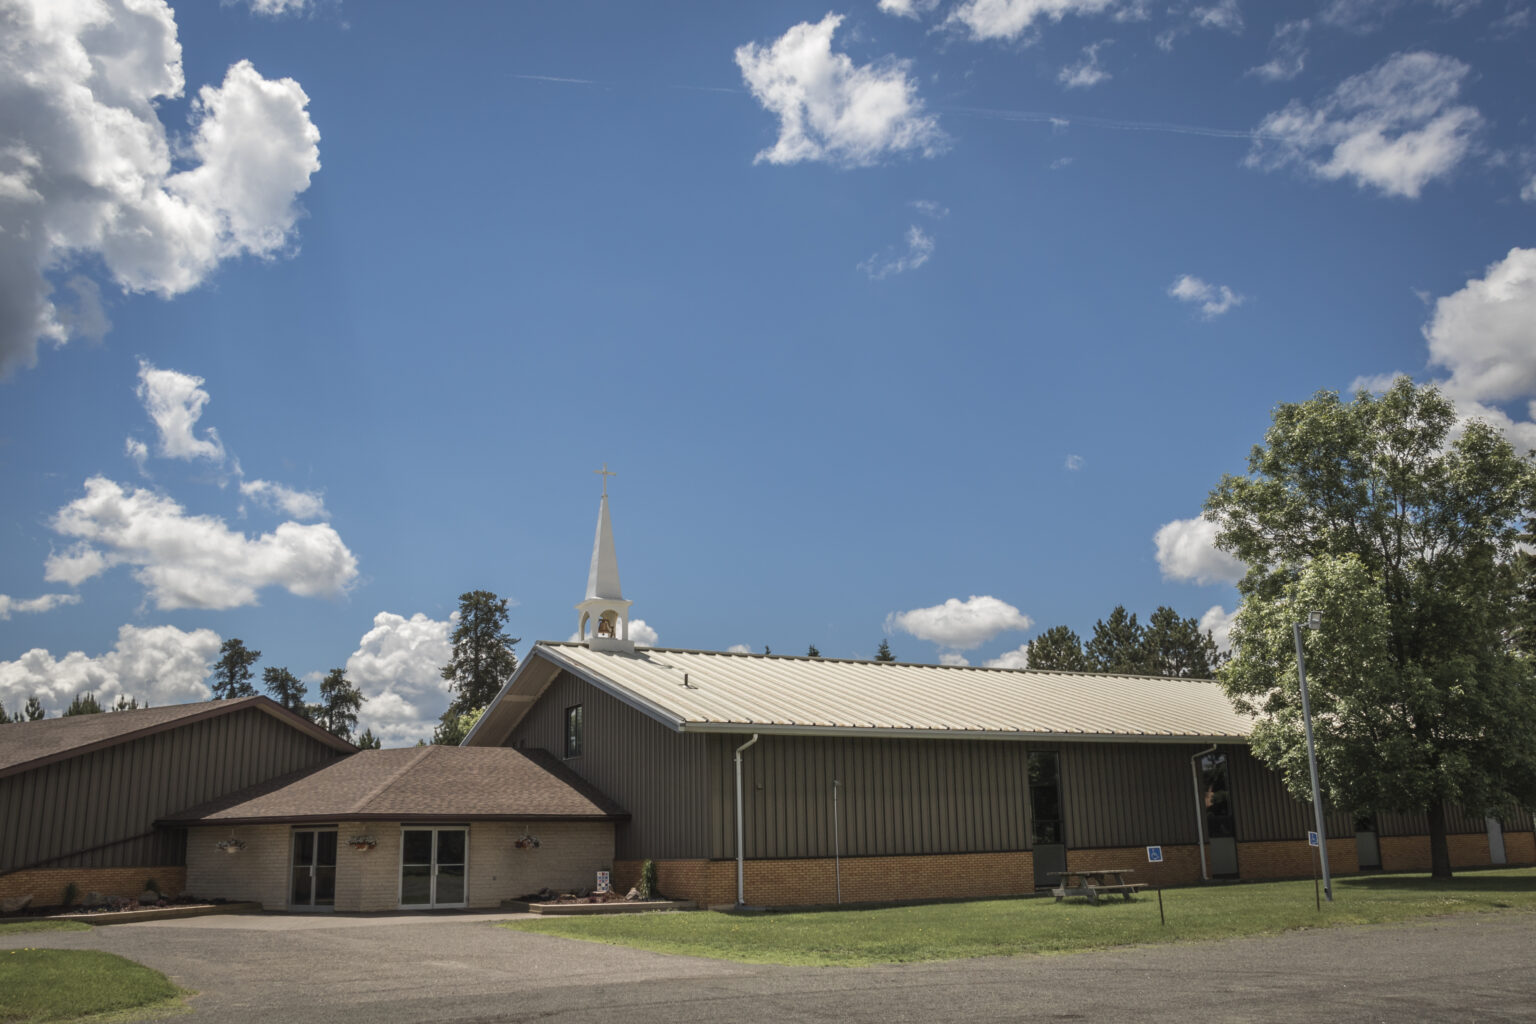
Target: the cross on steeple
(605, 473)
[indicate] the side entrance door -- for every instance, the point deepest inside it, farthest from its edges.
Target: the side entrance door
(433, 867)
(313, 874)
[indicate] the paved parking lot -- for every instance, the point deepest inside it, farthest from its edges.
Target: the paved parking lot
(388, 968)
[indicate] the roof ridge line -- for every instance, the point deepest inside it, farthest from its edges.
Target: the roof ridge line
(367, 798)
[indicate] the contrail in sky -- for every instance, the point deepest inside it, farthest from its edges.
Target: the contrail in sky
(1037, 117)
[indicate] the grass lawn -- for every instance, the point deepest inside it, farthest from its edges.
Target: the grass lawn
(949, 931)
(65, 984)
(42, 925)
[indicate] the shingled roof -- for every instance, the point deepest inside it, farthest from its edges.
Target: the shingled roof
(28, 745)
(416, 784)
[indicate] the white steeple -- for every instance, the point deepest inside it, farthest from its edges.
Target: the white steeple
(605, 608)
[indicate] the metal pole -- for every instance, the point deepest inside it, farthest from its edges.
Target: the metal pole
(1317, 797)
(837, 862)
(1194, 777)
(740, 863)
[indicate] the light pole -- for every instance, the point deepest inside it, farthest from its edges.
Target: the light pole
(1314, 621)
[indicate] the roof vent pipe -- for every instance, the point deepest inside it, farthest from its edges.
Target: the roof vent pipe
(1194, 773)
(740, 862)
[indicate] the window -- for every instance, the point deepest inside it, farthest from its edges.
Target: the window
(1219, 822)
(573, 731)
(1044, 798)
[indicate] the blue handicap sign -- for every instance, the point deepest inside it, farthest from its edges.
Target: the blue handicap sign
(1311, 838)
(1155, 854)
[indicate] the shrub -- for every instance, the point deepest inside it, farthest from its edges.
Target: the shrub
(647, 886)
(150, 885)
(71, 894)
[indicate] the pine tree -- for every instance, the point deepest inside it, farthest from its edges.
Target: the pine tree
(286, 688)
(34, 711)
(1116, 645)
(340, 702)
(83, 704)
(125, 703)
(232, 673)
(483, 659)
(368, 741)
(1172, 646)
(812, 652)
(1060, 649)
(884, 653)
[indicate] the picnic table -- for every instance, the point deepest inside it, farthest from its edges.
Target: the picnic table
(1094, 883)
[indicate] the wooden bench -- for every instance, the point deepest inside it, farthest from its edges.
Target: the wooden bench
(1093, 884)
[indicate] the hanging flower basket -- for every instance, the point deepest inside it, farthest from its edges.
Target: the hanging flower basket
(362, 842)
(527, 842)
(231, 845)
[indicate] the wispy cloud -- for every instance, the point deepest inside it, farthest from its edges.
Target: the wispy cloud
(1213, 299)
(918, 251)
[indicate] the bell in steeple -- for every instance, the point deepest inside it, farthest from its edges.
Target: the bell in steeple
(604, 610)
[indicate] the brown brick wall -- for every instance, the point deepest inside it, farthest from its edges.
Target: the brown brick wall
(1295, 859)
(1411, 853)
(813, 880)
(46, 885)
(1180, 865)
(1520, 847)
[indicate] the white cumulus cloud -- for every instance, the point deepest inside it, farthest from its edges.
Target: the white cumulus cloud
(1485, 333)
(1395, 128)
(1213, 299)
(298, 504)
(158, 665)
(33, 605)
(739, 649)
(398, 667)
(1010, 19)
(1217, 621)
(960, 625)
(907, 8)
(1187, 551)
(1016, 658)
(192, 561)
(87, 169)
(830, 108)
(1086, 72)
(918, 251)
(175, 403)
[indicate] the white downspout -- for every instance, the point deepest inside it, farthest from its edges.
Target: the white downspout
(740, 857)
(1194, 773)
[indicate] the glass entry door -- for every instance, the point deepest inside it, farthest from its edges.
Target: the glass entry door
(314, 868)
(433, 863)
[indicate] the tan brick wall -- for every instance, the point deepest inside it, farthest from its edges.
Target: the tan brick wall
(1520, 847)
(864, 879)
(569, 856)
(259, 872)
(46, 885)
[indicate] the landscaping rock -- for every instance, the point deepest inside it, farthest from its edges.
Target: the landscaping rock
(633, 894)
(149, 897)
(15, 904)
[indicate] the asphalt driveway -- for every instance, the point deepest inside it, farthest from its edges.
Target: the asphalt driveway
(403, 968)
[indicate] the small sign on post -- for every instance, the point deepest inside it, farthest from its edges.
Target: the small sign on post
(603, 883)
(1154, 855)
(1311, 838)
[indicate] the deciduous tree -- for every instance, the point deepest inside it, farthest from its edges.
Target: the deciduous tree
(232, 673)
(1403, 535)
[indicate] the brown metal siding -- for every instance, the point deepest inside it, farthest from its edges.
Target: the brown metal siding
(655, 774)
(1457, 822)
(1127, 794)
(895, 797)
(1264, 808)
(104, 802)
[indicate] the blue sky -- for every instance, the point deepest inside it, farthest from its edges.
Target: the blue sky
(930, 320)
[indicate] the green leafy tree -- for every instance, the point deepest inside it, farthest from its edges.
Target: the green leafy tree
(340, 702)
(125, 703)
(1058, 648)
(368, 741)
(34, 710)
(812, 652)
(286, 688)
(1172, 646)
(451, 731)
(232, 673)
(1118, 644)
(83, 704)
(884, 653)
(1404, 539)
(483, 658)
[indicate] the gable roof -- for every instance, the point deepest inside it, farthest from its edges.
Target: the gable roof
(414, 784)
(715, 691)
(28, 745)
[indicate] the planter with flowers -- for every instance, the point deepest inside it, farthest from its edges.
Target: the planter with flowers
(362, 843)
(231, 845)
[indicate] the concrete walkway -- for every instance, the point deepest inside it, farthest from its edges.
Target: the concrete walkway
(288, 969)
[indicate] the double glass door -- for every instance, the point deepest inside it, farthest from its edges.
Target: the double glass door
(433, 864)
(314, 868)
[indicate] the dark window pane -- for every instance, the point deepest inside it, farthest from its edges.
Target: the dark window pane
(303, 848)
(450, 847)
(415, 885)
(1046, 802)
(325, 887)
(450, 885)
(573, 731)
(301, 883)
(326, 853)
(1047, 833)
(1042, 768)
(418, 847)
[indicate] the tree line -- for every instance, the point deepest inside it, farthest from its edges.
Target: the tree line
(335, 712)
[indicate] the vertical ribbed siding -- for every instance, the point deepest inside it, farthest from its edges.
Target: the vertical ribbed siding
(655, 774)
(1127, 794)
(1457, 822)
(1264, 808)
(108, 798)
(895, 797)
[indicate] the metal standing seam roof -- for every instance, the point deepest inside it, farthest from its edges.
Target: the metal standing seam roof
(714, 691)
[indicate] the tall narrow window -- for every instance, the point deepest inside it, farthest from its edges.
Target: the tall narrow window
(573, 731)
(1219, 822)
(1044, 798)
